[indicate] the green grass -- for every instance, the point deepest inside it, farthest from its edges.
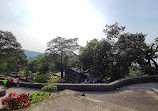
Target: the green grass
(37, 96)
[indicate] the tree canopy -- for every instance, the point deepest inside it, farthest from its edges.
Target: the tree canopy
(12, 57)
(109, 59)
(106, 60)
(63, 48)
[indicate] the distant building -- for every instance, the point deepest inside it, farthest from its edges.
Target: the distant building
(76, 75)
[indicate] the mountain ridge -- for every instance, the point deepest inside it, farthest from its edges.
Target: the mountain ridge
(30, 53)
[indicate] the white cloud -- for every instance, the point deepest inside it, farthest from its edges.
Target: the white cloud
(66, 18)
(36, 22)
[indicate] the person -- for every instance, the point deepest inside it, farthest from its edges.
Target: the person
(9, 82)
(18, 82)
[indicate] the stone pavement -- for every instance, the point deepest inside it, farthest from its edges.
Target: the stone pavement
(137, 97)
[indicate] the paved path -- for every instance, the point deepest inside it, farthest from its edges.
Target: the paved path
(140, 100)
(138, 97)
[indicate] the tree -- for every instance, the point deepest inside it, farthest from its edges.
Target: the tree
(150, 56)
(34, 63)
(63, 48)
(87, 53)
(109, 59)
(12, 57)
(113, 31)
(96, 58)
(133, 49)
(8, 41)
(130, 50)
(73, 62)
(39, 64)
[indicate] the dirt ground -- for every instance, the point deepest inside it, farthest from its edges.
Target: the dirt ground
(138, 97)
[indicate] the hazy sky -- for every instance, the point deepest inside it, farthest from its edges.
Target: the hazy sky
(36, 22)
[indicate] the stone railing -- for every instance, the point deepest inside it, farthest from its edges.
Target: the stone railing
(93, 87)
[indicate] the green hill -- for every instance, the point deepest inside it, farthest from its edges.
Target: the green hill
(32, 53)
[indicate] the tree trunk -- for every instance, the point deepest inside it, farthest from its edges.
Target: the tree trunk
(65, 64)
(149, 62)
(61, 65)
(61, 73)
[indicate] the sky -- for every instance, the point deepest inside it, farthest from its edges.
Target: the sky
(36, 22)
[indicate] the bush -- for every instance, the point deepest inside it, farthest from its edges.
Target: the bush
(15, 101)
(37, 96)
(53, 78)
(42, 78)
(49, 88)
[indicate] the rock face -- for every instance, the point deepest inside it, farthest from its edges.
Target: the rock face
(2, 91)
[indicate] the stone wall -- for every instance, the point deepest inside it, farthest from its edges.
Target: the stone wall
(93, 87)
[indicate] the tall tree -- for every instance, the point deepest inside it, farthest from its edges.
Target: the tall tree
(126, 48)
(12, 57)
(96, 58)
(113, 31)
(109, 59)
(63, 48)
(36, 62)
(151, 54)
(8, 41)
(130, 50)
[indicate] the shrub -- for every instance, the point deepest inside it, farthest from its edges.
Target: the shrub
(53, 78)
(37, 96)
(15, 101)
(50, 88)
(42, 78)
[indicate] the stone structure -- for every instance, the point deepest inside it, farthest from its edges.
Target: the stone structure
(93, 87)
(76, 75)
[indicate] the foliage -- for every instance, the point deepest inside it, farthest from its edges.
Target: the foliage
(62, 48)
(73, 62)
(49, 88)
(53, 78)
(12, 57)
(37, 96)
(15, 101)
(150, 56)
(27, 74)
(109, 59)
(43, 68)
(34, 64)
(113, 31)
(53, 61)
(130, 49)
(42, 78)
(134, 71)
(96, 57)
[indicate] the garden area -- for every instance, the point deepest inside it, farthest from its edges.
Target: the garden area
(118, 56)
(19, 98)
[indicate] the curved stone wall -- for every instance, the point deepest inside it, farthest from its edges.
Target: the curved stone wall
(93, 87)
